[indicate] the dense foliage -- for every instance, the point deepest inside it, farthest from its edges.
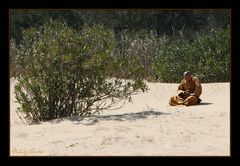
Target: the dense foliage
(208, 57)
(168, 22)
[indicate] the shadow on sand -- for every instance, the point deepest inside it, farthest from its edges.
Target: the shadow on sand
(204, 103)
(91, 120)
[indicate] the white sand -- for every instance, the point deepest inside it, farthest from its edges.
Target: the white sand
(146, 127)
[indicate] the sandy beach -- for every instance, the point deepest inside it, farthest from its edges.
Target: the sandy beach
(147, 126)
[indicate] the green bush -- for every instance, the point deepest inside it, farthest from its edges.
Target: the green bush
(208, 57)
(67, 73)
(213, 56)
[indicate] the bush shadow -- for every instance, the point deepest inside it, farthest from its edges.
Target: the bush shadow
(119, 117)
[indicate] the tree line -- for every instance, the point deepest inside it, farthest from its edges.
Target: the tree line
(186, 23)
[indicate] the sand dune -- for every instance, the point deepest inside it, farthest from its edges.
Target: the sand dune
(146, 127)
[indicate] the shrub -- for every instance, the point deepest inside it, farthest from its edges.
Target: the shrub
(212, 56)
(68, 73)
(208, 57)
